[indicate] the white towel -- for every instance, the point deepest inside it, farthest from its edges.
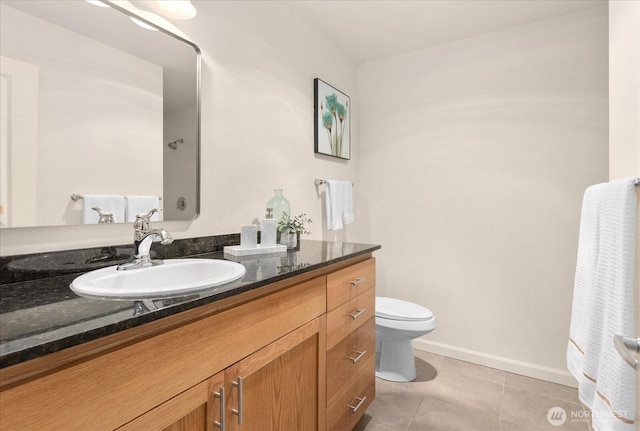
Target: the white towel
(141, 204)
(108, 203)
(339, 201)
(603, 305)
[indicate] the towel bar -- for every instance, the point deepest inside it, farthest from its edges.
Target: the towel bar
(625, 346)
(319, 182)
(76, 197)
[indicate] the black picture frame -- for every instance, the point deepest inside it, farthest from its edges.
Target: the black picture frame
(332, 115)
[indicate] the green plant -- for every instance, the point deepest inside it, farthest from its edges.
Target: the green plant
(296, 224)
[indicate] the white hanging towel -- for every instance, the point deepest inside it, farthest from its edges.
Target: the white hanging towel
(107, 203)
(603, 305)
(339, 202)
(141, 204)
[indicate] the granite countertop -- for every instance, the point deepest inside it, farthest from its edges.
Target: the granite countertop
(39, 314)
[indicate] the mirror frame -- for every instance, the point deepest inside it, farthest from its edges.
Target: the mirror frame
(198, 52)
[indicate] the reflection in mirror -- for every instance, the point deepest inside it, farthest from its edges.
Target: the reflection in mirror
(92, 104)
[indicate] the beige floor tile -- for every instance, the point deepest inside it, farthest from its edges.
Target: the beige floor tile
(541, 387)
(526, 410)
(435, 414)
(368, 424)
(394, 406)
(431, 358)
(453, 395)
(465, 391)
(474, 370)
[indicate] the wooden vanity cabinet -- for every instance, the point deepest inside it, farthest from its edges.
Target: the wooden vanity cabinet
(351, 345)
(300, 353)
(193, 410)
(279, 386)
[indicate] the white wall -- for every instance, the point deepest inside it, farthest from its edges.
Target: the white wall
(624, 89)
(473, 159)
(259, 62)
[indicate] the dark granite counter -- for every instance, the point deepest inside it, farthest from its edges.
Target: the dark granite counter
(39, 314)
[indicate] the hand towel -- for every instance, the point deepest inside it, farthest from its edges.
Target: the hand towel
(109, 203)
(141, 204)
(339, 202)
(603, 305)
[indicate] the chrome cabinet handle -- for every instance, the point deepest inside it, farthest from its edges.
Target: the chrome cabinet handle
(357, 406)
(357, 358)
(220, 424)
(357, 281)
(357, 313)
(624, 346)
(238, 412)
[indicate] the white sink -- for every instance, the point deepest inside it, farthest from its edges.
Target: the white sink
(176, 277)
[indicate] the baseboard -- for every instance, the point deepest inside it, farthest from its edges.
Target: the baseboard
(552, 375)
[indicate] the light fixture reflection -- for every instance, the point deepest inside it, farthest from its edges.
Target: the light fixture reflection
(143, 25)
(178, 9)
(97, 3)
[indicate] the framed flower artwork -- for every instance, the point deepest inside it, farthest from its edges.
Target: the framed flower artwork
(332, 130)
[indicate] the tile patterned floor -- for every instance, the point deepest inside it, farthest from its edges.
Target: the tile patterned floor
(452, 395)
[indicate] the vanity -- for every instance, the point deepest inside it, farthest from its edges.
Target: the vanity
(290, 346)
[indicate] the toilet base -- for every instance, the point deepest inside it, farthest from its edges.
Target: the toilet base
(395, 360)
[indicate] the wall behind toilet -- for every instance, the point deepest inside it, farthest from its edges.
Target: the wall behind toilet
(474, 158)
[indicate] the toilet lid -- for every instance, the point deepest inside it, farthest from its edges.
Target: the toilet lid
(397, 309)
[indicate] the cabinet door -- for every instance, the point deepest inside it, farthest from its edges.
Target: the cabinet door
(277, 388)
(195, 409)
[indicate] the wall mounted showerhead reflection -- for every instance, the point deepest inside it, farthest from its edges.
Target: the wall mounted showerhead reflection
(174, 144)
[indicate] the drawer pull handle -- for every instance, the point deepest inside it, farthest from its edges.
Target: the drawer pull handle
(357, 358)
(357, 314)
(220, 424)
(238, 412)
(357, 406)
(357, 281)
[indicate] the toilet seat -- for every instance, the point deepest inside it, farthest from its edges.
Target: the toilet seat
(399, 310)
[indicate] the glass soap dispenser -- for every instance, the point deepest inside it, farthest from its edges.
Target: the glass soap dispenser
(277, 205)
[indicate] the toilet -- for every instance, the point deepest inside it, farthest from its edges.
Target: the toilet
(397, 323)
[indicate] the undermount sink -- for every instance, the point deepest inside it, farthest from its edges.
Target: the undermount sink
(176, 277)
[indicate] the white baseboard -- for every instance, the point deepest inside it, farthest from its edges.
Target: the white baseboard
(553, 375)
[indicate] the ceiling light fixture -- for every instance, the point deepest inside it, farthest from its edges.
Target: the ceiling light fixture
(178, 9)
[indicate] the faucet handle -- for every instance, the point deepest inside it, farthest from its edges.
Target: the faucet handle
(143, 220)
(103, 216)
(147, 216)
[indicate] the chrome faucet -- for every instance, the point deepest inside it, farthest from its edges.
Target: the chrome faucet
(142, 238)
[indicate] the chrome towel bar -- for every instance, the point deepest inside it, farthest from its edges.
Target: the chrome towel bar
(627, 347)
(76, 197)
(319, 182)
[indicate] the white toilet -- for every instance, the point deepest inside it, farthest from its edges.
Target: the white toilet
(397, 323)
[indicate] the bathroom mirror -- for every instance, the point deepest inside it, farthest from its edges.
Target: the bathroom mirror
(93, 103)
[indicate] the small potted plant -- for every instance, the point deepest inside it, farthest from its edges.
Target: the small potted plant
(291, 228)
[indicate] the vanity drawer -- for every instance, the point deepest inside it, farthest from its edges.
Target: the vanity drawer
(348, 358)
(349, 407)
(349, 282)
(347, 317)
(367, 391)
(362, 308)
